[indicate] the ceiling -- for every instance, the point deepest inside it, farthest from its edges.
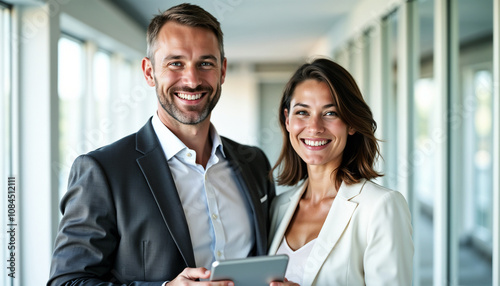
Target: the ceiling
(288, 30)
(259, 30)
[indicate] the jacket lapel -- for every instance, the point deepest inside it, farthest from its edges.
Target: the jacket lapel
(241, 170)
(155, 169)
(335, 224)
(285, 212)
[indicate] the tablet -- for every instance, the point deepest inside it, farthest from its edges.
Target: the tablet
(251, 271)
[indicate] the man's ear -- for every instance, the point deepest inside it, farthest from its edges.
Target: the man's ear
(223, 71)
(148, 71)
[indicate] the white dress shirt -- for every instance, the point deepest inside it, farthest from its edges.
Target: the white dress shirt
(218, 216)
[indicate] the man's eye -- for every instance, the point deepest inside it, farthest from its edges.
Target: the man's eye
(175, 64)
(207, 64)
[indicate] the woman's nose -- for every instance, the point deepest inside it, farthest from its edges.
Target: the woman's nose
(316, 125)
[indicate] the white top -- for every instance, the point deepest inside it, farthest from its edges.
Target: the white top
(218, 216)
(296, 259)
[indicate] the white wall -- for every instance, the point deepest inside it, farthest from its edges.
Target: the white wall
(236, 114)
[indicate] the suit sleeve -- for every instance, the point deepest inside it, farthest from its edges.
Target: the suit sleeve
(388, 257)
(87, 239)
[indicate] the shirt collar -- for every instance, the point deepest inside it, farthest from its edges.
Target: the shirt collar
(172, 145)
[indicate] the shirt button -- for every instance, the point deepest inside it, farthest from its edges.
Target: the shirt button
(214, 216)
(219, 254)
(189, 155)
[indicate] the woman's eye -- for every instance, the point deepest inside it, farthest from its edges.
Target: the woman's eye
(301, 112)
(331, 113)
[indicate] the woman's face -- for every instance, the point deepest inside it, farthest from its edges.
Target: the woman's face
(317, 133)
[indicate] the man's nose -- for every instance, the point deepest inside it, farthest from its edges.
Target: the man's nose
(191, 77)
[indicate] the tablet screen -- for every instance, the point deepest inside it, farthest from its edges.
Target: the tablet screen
(251, 271)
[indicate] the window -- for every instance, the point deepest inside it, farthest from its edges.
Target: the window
(452, 132)
(481, 157)
(10, 197)
(71, 88)
(471, 123)
(99, 101)
(97, 132)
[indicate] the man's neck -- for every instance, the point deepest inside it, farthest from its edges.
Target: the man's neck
(196, 137)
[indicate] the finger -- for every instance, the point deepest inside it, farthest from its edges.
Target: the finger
(196, 273)
(221, 283)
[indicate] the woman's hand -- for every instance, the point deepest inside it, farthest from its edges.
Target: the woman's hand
(284, 283)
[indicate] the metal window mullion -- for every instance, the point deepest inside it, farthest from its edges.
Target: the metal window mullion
(376, 92)
(496, 143)
(442, 49)
(385, 71)
(407, 74)
(408, 66)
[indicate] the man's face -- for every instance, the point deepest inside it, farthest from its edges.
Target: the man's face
(187, 73)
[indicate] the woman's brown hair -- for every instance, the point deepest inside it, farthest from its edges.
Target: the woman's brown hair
(361, 148)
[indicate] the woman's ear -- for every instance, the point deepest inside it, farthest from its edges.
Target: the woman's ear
(351, 131)
(287, 123)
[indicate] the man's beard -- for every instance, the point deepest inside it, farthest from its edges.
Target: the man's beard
(196, 115)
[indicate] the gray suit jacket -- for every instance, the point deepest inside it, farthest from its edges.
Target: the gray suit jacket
(123, 222)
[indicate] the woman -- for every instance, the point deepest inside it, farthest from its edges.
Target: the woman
(338, 227)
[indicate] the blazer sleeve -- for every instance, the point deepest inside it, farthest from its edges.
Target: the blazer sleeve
(88, 236)
(388, 257)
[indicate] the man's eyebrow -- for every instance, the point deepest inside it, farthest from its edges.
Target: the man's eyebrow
(171, 57)
(179, 57)
(209, 57)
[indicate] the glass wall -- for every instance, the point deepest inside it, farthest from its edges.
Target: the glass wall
(101, 99)
(71, 89)
(471, 124)
(465, 127)
(102, 87)
(426, 117)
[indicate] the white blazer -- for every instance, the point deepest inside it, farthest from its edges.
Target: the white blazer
(366, 238)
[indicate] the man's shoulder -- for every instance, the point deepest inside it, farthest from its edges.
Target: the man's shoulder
(241, 151)
(126, 143)
(125, 146)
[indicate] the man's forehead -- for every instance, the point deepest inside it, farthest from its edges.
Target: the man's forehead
(182, 42)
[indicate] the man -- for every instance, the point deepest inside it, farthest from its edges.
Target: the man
(162, 204)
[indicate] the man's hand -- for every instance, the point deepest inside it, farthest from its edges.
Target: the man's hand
(189, 276)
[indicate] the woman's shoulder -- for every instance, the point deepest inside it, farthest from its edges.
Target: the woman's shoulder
(287, 194)
(374, 192)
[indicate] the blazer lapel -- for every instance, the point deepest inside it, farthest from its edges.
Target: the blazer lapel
(285, 212)
(241, 170)
(155, 169)
(336, 222)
